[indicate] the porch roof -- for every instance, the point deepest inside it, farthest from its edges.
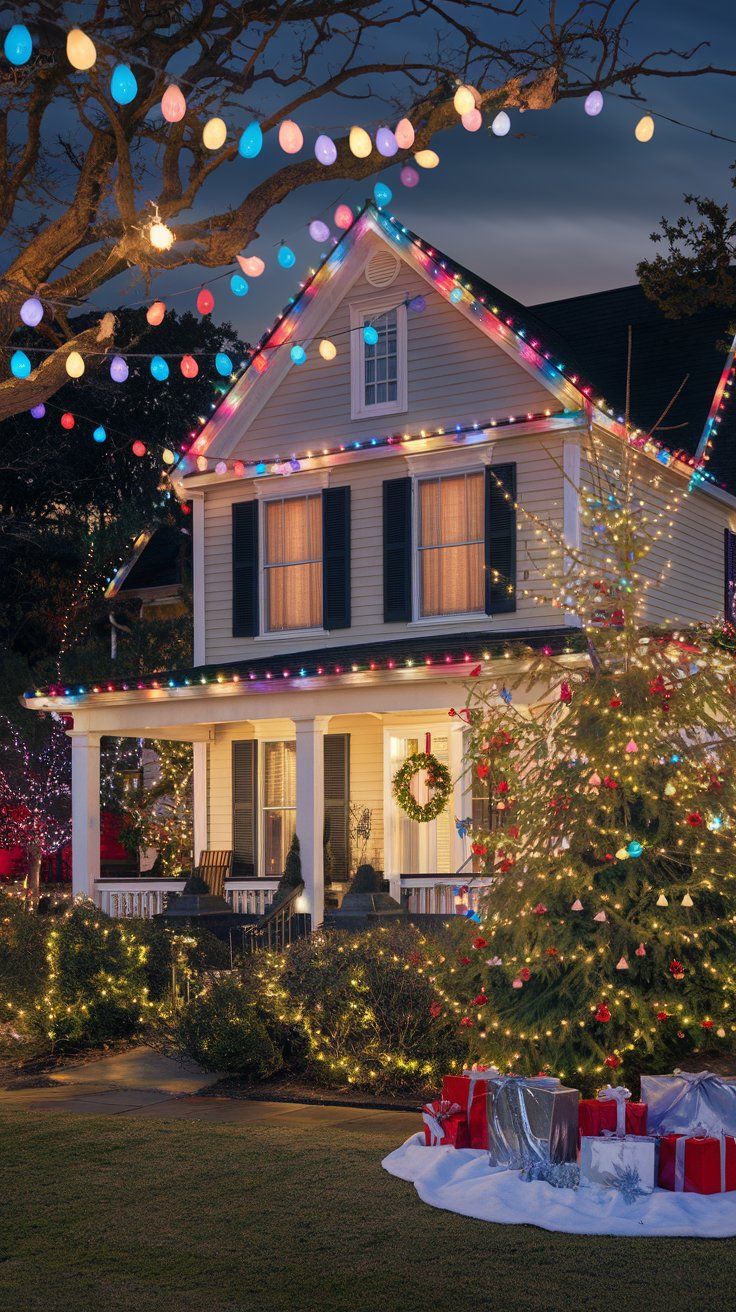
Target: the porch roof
(426, 652)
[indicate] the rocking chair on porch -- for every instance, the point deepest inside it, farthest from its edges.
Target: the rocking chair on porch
(214, 867)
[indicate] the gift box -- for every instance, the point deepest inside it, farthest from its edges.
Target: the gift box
(679, 1101)
(612, 1110)
(531, 1120)
(697, 1164)
(470, 1090)
(445, 1123)
(629, 1164)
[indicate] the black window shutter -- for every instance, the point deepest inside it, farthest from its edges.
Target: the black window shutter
(336, 558)
(245, 569)
(245, 809)
(337, 804)
(397, 549)
(500, 539)
(729, 576)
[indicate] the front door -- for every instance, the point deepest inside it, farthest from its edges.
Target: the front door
(417, 848)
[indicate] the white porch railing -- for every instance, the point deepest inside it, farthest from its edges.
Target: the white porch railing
(433, 895)
(148, 897)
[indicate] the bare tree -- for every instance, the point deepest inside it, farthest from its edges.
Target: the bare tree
(81, 176)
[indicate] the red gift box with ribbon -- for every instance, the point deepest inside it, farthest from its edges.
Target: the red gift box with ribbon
(697, 1163)
(611, 1111)
(470, 1090)
(445, 1123)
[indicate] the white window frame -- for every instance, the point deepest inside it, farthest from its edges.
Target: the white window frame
(261, 744)
(424, 475)
(265, 632)
(359, 316)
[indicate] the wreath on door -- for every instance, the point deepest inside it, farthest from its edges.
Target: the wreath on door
(439, 780)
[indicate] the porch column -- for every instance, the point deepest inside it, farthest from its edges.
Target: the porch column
(85, 811)
(310, 810)
(199, 800)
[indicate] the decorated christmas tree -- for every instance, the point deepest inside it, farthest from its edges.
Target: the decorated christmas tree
(608, 939)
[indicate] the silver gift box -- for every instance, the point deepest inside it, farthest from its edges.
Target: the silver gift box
(602, 1160)
(677, 1102)
(531, 1120)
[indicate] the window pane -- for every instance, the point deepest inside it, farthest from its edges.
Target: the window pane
(453, 580)
(279, 802)
(294, 590)
(381, 361)
(452, 510)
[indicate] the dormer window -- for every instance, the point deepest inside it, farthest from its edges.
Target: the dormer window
(293, 563)
(378, 367)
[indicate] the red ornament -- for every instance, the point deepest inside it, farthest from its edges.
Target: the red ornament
(481, 769)
(502, 786)
(478, 849)
(481, 1000)
(139, 448)
(507, 864)
(205, 301)
(189, 366)
(676, 969)
(435, 1009)
(475, 672)
(67, 420)
(613, 1062)
(706, 1024)
(695, 819)
(525, 973)
(615, 702)
(480, 943)
(513, 831)
(663, 1015)
(602, 1013)
(467, 1022)
(565, 693)
(608, 782)
(539, 910)
(551, 952)
(465, 961)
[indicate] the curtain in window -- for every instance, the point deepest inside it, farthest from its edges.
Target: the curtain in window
(294, 563)
(451, 544)
(279, 803)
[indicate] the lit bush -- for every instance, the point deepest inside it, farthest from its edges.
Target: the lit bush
(224, 1029)
(22, 954)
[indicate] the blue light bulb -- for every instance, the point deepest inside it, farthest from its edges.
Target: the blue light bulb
(20, 365)
(18, 45)
(159, 368)
(223, 364)
(238, 285)
(99, 434)
(286, 257)
(251, 142)
(370, 335)
(382, 194)
(298, 355)
(123, 86)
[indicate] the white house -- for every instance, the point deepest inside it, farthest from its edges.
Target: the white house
(364, 534)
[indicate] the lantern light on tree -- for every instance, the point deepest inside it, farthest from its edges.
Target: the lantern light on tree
(404, 134)
(251, 141)
(18, 45)
(319, 231)
(123, 85)
(80, 50)
(593, 103)
(472, 121)
(74, 364)
(360, 143)
(409, 176)
(501, 125)
(118, 369)
(291, 139)
(343, 216)
(99, 434)
(464, 100)
(160, 236)
(253, 265)
(205, 301)
(155, 313)
(386, 143)
(139, 448)
(189, 366)
(20, 365)
(173, 104)
(644, 130)
(238, 285)
(31, 312)
(159, 368)
(214, 133)
(67, 421)
(325, 150)
(427, 159)
(38, 411)
(286, 257)
(382, 194)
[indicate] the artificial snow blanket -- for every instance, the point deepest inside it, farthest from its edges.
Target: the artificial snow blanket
(460, 1180)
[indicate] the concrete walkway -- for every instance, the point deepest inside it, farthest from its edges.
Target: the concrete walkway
(145, 1083)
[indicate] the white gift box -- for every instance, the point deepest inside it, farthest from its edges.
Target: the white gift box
(603, 1159)
(686, 1098)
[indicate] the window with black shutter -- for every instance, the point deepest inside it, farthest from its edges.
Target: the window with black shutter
(337, 805)
(397, 548)
(500, 539)
(729, 576)
(336, 558)
(245, 568)
(245, 808)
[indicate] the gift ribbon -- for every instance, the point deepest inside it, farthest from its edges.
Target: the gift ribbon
(620, 1096)
(475, 1074)
(697, 1132)
(695, 1077)
(434, 1116)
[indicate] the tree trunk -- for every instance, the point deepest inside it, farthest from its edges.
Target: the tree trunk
(33, 878)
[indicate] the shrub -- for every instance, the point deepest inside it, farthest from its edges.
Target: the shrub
(366, 1005)
(366, 880)
(224, 1030)
(22, 953)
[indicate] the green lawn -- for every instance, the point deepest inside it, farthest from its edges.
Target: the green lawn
(113, 1214)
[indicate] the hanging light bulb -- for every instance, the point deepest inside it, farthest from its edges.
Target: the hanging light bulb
(360, 143)
(687, 901)
(319, 231)
(253, 265)
(155, 313)
(18, 45)
(99, 434)
(31, 311)
(593, 103)
(427, 159)
(205, 301)
(327, 349)
(20, 365)
(291, 139)
(38, 411)
(123, 86)
(214, 133)
(404, 134)
(382, 194)
(325, 150)
(370, 335)
(501, 125)
(298, 355)
(251, 142)
(173, 104)
(472, 121)
(168, 456)
(238, 285)
(160, 236)
(223, 364)
(80, 50)
(386, 143)
(343, 216)
(159, 368)
(644, 130)
(118, 369)
(139, 448)
(464, 100)
(409, 176)
(622, 964)
(74, 364)
(189, 366)
(286, 257)
(67, 421)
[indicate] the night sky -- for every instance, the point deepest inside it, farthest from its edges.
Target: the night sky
(565, 208)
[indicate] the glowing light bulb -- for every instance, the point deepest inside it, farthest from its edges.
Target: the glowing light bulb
(223, 364)
(159, 368)
(253, 265)
(74, 364)
(168, 456)
(118, 369)
(386, 143)
(123, 86)
(160, 236)
(318, 230)
(409, 176)
(99, 434)
(370, 335)
(205, 301)
(343, 216)
(327, 349)
(427, 159)
(173, 104)
(139, 448)
(80, 50)
(31, 311)
(155, 313)
(325, 150)
(501, 125)
(404, 134)
(472, 121)
(20, 365)
(18, 45)
(593, 103)
(644, 130)
(38, 411)
(360, 143)
(291, 139)
(382, 194)
(214, 134)
(286, 257)
(464, 100)
(67, 421)
(251, 142)
(189, 366)
(298, 355)
(238, 285)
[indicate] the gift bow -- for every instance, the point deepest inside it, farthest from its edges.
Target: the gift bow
(435, 1114)
(697, 1132)
(695, 1077)
(619, 1095)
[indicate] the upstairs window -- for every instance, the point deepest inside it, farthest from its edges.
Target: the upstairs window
(293, 563)
(451, 544)
(379, 384)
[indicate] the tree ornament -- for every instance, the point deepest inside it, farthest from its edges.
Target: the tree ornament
(501, 125)
(31, 312)
(662, 901)
(325, 150)
(622, 854)
(161, 236)
(565, 693)
(20, 365)
(118, 369)
(173, 104)
(408, 176)
(319, 231)
(123, 85)
(517, 983)
(382, 194)
(577, 905)
(631, 746)
(67, 421)
(74, 364)
(644, 130)
(676, 969)
(539, 910)
(251, 141)
(290, 137)
(669, 789)
(662, 1016)
(641, 950)
(464, 100)
(472, 121)
(721, 1032)
(214, 134)
(634, 848)
(343, 216)
(622, 964)
(404, 134)
(439, 781)
(18, 45)
(595, 780)
(603, 1014)
(525, 974)
(205, 301)
(600, 916)
(695, 819)
(615, 702)
(427, 159)
(155, 313)
(80, 50)
(593, 103)
(359, 143)
(612, 1061)
(686, 901)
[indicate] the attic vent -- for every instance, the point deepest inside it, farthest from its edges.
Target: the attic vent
(382, 268)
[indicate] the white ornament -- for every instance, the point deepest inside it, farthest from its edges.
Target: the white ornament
(686, 901)
(622, 964)
(600, 916)
(577, 905)
(662, 901)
